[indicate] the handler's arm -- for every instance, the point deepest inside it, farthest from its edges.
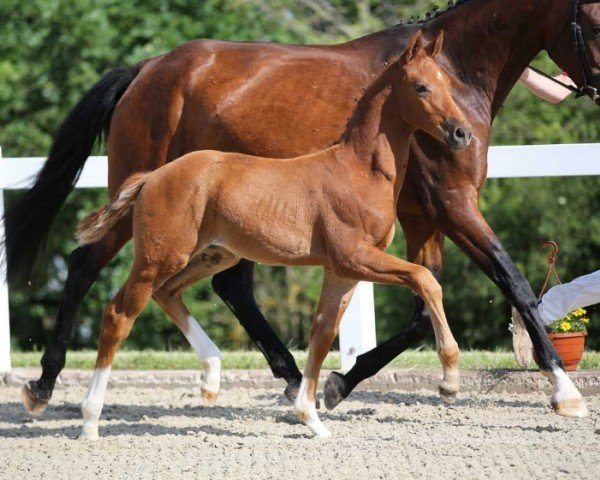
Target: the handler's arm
(565, 298)
(544, 88)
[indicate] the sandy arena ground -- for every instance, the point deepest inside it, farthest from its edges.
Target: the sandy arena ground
(253, 434)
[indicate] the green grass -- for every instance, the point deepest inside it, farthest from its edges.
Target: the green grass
(178, 360)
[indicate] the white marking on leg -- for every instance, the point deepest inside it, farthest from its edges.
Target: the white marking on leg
(566, 399)
(210, 356)
(92, 404)
(307, 412)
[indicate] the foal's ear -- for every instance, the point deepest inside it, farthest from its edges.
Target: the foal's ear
(437, 45)
(414, 45)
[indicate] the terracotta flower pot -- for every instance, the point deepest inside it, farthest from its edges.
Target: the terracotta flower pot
(570, 348)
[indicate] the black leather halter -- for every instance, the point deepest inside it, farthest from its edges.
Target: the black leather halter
(583, 58)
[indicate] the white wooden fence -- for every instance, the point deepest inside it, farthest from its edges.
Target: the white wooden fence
(357, 330)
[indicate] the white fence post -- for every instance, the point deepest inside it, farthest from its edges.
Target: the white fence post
(357, 329)
(4, 319)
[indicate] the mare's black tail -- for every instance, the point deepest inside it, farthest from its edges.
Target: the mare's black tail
(27, 224)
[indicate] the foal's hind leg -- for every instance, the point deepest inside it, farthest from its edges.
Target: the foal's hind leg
(335, 297)
(373, 265)
(84, 265)
(168, 296)
(117, 321)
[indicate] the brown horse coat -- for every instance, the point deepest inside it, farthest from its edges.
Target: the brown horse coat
(334, 208)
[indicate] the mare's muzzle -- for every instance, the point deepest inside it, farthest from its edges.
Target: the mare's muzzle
(457, 135)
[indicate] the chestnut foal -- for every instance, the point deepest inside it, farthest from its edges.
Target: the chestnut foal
(335, 208)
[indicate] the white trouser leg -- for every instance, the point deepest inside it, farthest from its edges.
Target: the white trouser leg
(565, 298)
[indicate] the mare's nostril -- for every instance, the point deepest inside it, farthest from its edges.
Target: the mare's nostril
(462, 136)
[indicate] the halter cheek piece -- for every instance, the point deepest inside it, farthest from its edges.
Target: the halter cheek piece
(583, 57)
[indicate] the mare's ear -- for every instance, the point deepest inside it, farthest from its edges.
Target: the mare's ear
(437, 45)
(414, 45)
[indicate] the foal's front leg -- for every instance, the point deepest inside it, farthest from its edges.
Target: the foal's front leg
(424, 247)
(371, 264)
(335, 297)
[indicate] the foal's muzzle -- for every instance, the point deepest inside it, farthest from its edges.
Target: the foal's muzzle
(457, 135)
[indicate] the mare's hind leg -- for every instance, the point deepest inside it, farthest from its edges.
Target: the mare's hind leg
(85, 264)
(424, 247)
(335, 297)
(235, 288)
(168, 296)
(117, 321)
(370, 263)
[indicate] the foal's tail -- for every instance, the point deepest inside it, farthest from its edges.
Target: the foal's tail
(93, 227)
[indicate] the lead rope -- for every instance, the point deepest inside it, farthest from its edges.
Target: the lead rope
(551, 269)
(522, 346)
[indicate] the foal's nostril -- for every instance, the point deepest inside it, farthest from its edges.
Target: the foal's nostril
(460, 133)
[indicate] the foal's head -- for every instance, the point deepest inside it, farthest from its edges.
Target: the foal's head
(424, 94)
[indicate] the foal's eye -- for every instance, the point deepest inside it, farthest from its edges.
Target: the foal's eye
(421, 89)
(596, 30)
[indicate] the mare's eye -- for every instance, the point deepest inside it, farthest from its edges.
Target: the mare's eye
(596, 30)
(421, 89)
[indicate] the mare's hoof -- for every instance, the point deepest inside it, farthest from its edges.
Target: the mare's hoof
(291, 391)
(35, 403)
(574, 407)
(209, 397)
(334, 390)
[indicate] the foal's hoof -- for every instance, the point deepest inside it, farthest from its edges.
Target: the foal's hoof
(334, 390)
(447, 392)
(574, 407)
(447, 398)
(34, 403)
(209, 396)
(89, 433)
(312, 421)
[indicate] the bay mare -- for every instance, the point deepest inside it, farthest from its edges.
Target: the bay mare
(283, 101)
(335, 208)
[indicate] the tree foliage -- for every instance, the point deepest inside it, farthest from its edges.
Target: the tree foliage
(51, 51)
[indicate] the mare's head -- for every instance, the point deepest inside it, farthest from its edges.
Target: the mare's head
(574, 43)
(424, 93)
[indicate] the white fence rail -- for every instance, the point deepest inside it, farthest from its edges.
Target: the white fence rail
(357, 330)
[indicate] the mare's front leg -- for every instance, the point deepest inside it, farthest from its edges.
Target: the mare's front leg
(424, 247)
(85, 264)
(335, 297)
(236, 289)
(465, 225)
(371, 264)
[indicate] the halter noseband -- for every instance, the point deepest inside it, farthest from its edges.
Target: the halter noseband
(581, 51)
